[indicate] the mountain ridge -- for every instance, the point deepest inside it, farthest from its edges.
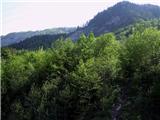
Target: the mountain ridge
(17, 37)
(118, 16)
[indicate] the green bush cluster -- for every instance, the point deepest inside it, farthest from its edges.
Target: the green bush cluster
(84, 80)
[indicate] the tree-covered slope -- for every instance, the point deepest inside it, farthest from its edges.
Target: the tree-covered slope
(46, 41)
(140, 26)
(13, 38)
(95, 78)
(114, 18)
(36, 42)
(120, 15)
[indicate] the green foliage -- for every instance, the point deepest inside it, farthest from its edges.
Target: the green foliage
(140, 26)
(140, 60)
(84, 80)
(36, 42)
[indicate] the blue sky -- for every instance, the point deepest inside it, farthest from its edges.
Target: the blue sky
(24, 15)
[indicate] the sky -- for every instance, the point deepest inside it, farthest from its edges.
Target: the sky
(26, 15)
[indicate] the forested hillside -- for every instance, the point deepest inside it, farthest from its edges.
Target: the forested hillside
(36, 42)
(140, 26)
(112, 19)
(16, 37)
(46, 41)
(118, 16)
(95, 78)
(108, 69)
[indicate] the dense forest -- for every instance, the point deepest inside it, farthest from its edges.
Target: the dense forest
(118, 16)
(16, 37)
(36, 42)
(95, 78)
(46, 41)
